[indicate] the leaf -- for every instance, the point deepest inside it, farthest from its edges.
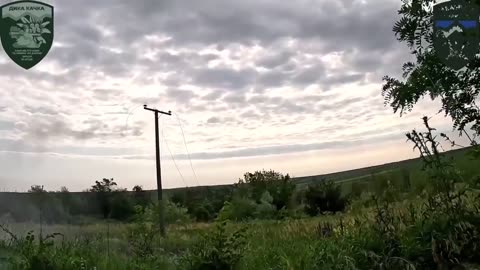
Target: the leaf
(46, 31)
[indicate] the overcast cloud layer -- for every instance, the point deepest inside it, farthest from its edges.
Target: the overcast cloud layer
(244, 79)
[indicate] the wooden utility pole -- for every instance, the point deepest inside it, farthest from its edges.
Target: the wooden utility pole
(159, 170)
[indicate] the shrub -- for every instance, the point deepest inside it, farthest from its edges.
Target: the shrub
(202, 213)
(173, 213)
(279, 186)
(218, 250)
(141, 233)
(176, 214)
(238, 209)
(122, 207)
(324, 197)
(265, 210)
(33, 253)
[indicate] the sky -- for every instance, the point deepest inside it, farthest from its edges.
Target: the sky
(293, 86)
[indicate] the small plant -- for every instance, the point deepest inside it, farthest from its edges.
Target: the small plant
(30, 253)
(142, 233)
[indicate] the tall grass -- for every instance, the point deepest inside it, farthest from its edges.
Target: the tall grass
(401, 219)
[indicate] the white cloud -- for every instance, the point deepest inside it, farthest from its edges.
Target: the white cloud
(247, 78)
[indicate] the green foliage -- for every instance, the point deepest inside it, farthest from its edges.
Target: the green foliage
(323, 197)
(203, 203)
(103, 190)
(203, 212)
(428, 76)
(218, 249)
(32, 254)
(265, 209)
(142, 233)
(140, 197)
(379, 183)
(144, 230)
(358, 188)
(174, 214)
(406, 178)
(122, 207)
(237, 210)
(279, 186)
(334, 257)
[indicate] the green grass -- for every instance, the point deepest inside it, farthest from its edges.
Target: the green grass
(358, 239)
(270, 244)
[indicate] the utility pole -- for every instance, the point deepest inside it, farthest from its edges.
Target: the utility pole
(159, 171)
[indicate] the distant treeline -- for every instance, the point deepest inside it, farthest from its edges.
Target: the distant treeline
(263, 193)
(63, 206)
(262, 190)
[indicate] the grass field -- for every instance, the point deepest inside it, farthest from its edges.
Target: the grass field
(399, 228)
(390, 171)
(269, 244)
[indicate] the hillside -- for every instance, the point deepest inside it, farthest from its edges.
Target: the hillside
(410, 164)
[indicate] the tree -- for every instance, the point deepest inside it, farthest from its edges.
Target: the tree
(140, 196)
(137, 188)
(121, 206)
(37, 189)
(103, 190)
(324, 196)
(279, 186)
(458, 91)
(106, 185)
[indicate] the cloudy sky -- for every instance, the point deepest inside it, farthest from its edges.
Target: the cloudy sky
(293, 86)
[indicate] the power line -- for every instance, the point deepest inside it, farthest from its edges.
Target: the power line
(173, 159)
(129, 114)
(186, 148)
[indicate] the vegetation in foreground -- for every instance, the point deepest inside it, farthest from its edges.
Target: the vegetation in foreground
(261, 223)
(436, 228)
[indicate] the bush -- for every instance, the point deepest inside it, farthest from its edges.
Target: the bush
(279, 186)
(204, 210)
(174, 214)
(238, 209)
(265, 209)
(324, 197)
(201, 213)
(141, 233)
(218, 250)
(122, 207)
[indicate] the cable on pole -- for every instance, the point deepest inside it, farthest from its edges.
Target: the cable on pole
(186, 148)
(171, 155)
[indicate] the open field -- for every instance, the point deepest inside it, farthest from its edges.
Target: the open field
(387, 170)
(391, 230)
